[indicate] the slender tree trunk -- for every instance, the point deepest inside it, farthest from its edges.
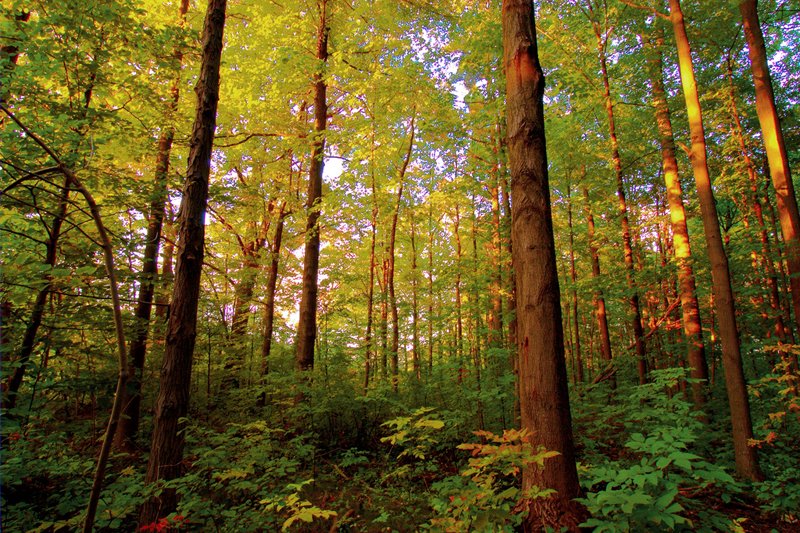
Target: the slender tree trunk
(495, 321)
(414, 304)
(692, 329)
(633, 298)
(167, 257)
(307, 324)
(272, 285)
(459, 318)
(401, 175)
(544, 397)
(573, 274)
(372, 265)
(430, 289)
(599, 299)
(166, 450)
(746, 457)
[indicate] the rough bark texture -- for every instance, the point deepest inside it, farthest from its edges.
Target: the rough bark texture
(129, 423)
(166, 451)
(307, 325)
(746, 458)
(544, 399)
(692, 329)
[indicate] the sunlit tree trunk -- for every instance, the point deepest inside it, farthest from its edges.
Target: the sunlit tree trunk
(172, 404)
(692, 329)
(307, 323)
(544, 397)
(746, 458)
(776, 150)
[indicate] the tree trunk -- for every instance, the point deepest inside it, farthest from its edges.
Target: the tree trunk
(166, 451)
(633, 298)
(599, 299)
(746, 458)
(414, 304)
(370, 354)
(129, 422)
(775, 147)
(692, 329)
(459, 317)
(573, 274)
(544, 397)
(307, 324)
(272, 285)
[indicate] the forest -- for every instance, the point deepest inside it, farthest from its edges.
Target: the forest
(400, 265)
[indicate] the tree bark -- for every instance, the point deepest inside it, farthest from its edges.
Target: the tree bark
(166, 450)
(272, 285)
(573, 274)
(401, 174)
(128, 426)
(544, 398)
(775, 146)
(627, 245)
(746, 457)
(599, 300)
(307, 324)
(692, 329)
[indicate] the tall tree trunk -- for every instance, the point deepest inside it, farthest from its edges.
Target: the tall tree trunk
(370, 354)
(544, 397)
(783, 333)
(692, 329)
(627, 245)
(746, 458)
(167, 258)
(430, 288)
(599, 299)
(307, 324)
(272, 285)
(401, 175)
(573, 274)
(459, 318)
(414, 303)
(128, 427)
(775, 147)
(166, 450)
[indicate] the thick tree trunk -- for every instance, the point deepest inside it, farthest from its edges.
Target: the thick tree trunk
(129, 422)
(544, 397)
(627, 245)
(307, 324)
(692, 329)
(746, 458)
(166, 450)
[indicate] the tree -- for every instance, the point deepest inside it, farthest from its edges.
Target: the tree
(772, 134)
(129, 424)
(746, 459)
(544, 399)
(307, 325)
(172, 404)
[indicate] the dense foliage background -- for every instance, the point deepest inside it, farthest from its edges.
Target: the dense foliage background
(415, 225)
